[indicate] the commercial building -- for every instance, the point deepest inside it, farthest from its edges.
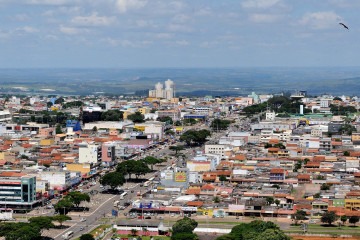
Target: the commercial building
(17, 190)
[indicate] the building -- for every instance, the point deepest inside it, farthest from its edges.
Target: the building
(89, 153)
(17, 190)
(160, 92)
(59, 181)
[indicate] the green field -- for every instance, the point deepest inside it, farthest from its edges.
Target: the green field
(333, 230)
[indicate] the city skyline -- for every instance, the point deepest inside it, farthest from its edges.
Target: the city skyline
(142, 33)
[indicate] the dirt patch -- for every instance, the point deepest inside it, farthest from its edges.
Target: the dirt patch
(321, 238)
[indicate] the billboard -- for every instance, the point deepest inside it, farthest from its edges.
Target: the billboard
(180, 177)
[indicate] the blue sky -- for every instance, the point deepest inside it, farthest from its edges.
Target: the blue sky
(171, 33)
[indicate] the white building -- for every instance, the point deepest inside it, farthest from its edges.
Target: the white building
(159, 92)
(89, 153)
(5, 116)
(58, 180)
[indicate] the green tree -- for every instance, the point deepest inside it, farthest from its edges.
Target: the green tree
(166, 119)
(325, 187)
(152, 161)
(272, 234)
(270, 200)
(218, 124)
(346, 153)
(77, 197)
(329, 217)
(60, 100)
(354, 220)
(185, 225)
(87, 237)
(112, 115)
(63, 206)
(343, 218)
(24, 232)
(226, 237)
(222, 178)
(41, 222)
(94, 129)
(195, 137)
(58, 129)
(298, 216)
(61, 218)
(113, 179)
(216, 199)
(277, 202)
(136, 117)
(134, 232)
(177, 149)
(133, 167)
(184, 236)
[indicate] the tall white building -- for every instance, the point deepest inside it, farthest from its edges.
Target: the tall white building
(161, 92)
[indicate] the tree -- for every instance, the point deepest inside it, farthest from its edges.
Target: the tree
(61, 218)
(184, 236)
(354, 220)
(343, 218)
(58, 129)
(166, 119)
(24, 232)
(216, 199)
(222, 178)
(63, 206)
(134, 232)
(152, 161)
(77, 197)
(329, 217)
(112, 115)
(133, 167)
(194, 136)
(218, 124)
(94, 129)
(87, 237)
(298, 216)
(270, 200)
(177, 149)
(60, 100)
(252, 230)
(277, 202)
(346, 153)
(113, 179)
(325, 187)
(272, 234)
(136, 117)
(185, 225)
(41, 222)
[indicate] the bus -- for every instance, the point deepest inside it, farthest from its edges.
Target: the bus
(122, 196)
(68, 235)
(147, 183)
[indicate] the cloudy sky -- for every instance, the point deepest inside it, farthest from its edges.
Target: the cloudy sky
(178, 33)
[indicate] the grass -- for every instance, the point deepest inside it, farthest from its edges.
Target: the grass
(143, 237)
(323, 229)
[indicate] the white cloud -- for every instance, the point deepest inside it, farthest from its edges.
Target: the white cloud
(320, 20)
(21, 17)
(125, 5)
(179, 28)
(49, 2)
(259, 3)
(93, 20)
(264, 18)
(164, 35)
(182, 42)
(70, 30)
(126, 43)
(180, 18)
(28, 29)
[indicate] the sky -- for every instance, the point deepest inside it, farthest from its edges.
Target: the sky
(178, 33)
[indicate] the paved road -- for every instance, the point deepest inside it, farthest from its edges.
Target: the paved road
(104, 210)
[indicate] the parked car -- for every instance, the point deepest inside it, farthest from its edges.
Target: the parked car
(148, 217)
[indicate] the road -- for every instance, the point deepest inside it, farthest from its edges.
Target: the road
(104, 209)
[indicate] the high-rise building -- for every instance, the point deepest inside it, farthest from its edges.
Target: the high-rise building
(161, 92)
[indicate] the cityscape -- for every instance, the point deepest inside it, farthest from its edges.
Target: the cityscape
(179, 120)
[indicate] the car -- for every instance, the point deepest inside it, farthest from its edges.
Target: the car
(148, 217)
(83, 220)
(140, 217)
(81, 228)
(132, 191)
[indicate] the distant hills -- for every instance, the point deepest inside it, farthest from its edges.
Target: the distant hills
(193, 81)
